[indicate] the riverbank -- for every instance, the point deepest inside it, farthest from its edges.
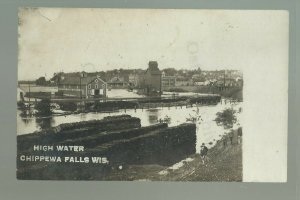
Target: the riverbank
(224, 163)
(120, 140)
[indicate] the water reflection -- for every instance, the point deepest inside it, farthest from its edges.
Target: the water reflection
(25, 116)
(208, 131)
(152, 116)
(44, 123)
(83, 117)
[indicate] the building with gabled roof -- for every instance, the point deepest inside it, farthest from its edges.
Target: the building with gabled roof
(81, 85)
(117, 82)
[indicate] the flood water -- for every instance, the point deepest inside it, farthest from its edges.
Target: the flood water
(207, 129)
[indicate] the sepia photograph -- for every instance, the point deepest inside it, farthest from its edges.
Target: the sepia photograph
(133, 94)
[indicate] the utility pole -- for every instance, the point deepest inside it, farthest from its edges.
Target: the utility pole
(224, 77)
(160, 88)
(29, 94)
(80, 86)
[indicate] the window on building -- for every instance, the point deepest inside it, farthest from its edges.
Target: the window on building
(90, 86)
(96, 86)
(96, 81)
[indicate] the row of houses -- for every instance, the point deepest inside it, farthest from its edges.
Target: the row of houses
(150, 82)
(168, 81)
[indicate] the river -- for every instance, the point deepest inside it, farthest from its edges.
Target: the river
(208, 131)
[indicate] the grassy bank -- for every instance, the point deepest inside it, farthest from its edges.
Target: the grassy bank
(224, 163)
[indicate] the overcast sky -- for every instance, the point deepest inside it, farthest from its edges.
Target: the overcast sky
(53, 40)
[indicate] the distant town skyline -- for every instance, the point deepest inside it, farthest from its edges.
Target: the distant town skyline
(53, 40)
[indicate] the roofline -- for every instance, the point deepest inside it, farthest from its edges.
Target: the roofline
(98, 79)
(60, 83)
